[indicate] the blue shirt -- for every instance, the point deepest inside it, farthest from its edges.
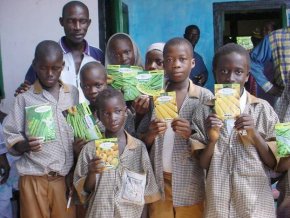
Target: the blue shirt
(91, 51)
(199, 68)
(260, 55)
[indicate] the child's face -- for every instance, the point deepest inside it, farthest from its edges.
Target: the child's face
(122, 52)
(113, 114)
(154, 60)
(232, 68)
(48, 70)
(93, 82)
(178, 63)
(75, 23)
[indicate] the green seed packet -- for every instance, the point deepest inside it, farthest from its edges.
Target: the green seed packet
(108, 150)
(81, 119)
(39, 122)
(151, 82)
(124, 79)
(283, 139)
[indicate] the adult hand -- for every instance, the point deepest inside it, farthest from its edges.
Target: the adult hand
(22, 88)
(181, 127)
(33, 144)
(141, 104)
(4, 168)
(213, 125)
(276, 91)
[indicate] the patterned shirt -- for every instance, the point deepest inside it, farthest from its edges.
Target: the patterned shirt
(187, 175)
(55, 155)
(237, 183)
(104, 201)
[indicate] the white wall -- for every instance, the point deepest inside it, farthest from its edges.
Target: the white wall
(23, 24)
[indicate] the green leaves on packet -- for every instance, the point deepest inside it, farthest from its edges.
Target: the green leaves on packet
(81, 119)
(40, 122)
(283, 139)
(133, 81)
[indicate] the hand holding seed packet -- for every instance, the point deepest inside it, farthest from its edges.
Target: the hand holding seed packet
(108, 151)
(165, 106)
(40, 123)
(80, 118)
(227, 101)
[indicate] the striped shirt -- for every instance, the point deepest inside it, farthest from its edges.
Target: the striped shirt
(237, 183)
(55, 155)
(187, 175)
(104, 202)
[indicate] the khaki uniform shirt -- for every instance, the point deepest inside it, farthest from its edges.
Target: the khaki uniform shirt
(237, 183)
(104, 201)
(55, 155)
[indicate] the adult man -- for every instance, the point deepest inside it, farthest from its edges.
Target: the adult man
(77, 52)
(275, 48)
(199, 72)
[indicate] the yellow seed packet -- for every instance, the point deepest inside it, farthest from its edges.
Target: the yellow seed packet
(165, 106)
(227, 100)
(108, 150)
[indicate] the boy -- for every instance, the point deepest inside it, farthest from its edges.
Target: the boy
(237, 164)
(179, 177)
(104, 186)
(43, 166)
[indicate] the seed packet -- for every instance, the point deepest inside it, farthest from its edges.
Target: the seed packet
(133, 187)
(165, 106)
(227, 100)
(124, 79)
(108, 150)
(40, 123)
(150, 82)
(283, 139)
(81, 119)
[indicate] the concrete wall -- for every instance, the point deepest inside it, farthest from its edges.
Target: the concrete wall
(159, 20)
(23, 25)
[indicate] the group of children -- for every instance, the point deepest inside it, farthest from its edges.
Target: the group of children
(193, 166)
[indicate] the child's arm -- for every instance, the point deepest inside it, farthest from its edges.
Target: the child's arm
(246, 122)
(156, 127)
(283, 165)
(212, 126)
(96, 166)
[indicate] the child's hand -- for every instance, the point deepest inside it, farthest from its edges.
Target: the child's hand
(78, 145)
(246, 122)
(213, 125)
(32, 144)
(156, 127)
(96, 166)
(181, 127)
(141, 104)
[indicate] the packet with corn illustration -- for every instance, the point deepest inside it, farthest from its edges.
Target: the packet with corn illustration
(108, 150)
(81, 119)
(39, 122)
(227, 100)
(165, 106)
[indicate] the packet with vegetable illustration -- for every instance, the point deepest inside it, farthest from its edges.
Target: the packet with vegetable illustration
(165, 106)
(39, 122)
(283, 139)
(227, 100)
(150, 82)
(82, 121)
(108, 150)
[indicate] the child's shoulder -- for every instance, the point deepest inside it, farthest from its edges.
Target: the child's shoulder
(134, 142)
(71, 88)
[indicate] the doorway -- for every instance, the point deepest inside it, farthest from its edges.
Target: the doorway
(237, 21)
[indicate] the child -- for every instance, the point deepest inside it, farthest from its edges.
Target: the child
(43, 166)
(237, 164)
(104, 186)
(122, 50)
(154, 56)
(179, 177)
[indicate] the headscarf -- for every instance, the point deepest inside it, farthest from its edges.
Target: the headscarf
(138, 61)
(156, 46)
